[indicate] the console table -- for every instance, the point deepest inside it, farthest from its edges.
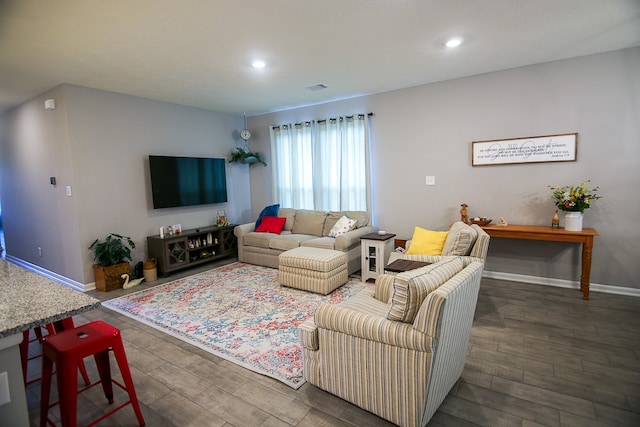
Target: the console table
(541, 232)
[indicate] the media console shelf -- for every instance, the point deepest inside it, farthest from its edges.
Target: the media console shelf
(192, 247)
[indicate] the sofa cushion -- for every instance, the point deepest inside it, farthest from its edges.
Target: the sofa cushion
(342, 226)
(412, 287)
(460, 240)
(320, 242)
(361, 216)
(427, 242)
(290, 215)
(333, 217)
(309, 222)
(330, 221)
(271, 210)
(271, 224)
(284, 242)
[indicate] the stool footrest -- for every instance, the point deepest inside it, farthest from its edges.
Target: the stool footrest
(111, 412)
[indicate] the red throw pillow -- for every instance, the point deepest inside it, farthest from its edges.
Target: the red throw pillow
(271, 224)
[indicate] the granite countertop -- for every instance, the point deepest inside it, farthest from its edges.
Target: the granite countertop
(28, 300)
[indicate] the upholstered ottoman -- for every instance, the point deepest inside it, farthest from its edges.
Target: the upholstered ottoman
(312, 269)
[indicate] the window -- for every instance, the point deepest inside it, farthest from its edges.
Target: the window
(322, 164)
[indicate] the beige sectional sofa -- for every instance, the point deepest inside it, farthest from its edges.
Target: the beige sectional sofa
(303, 227)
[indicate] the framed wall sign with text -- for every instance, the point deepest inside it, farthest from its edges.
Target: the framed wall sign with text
(534, 149)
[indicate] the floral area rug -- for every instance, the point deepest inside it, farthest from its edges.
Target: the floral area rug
(238, 312)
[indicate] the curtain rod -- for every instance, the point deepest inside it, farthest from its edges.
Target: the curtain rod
(308, 122)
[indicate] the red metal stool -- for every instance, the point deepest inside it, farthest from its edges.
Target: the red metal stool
(67, 349)
(51, 328)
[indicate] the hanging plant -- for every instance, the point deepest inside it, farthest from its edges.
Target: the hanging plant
(239, 155)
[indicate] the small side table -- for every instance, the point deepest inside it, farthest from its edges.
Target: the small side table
(375, 251)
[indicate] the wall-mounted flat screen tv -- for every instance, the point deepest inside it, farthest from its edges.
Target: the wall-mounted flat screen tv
(187, 181)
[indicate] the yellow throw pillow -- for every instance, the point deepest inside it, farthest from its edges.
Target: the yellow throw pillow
(427, 242)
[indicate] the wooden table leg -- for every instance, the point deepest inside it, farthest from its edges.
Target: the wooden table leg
(587, 248)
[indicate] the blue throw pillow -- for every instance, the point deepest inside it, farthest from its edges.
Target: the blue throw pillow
(268, 211)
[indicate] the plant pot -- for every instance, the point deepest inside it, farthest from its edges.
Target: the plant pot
(573, 221)
(150, 270)
(249, 160)
(109, 278)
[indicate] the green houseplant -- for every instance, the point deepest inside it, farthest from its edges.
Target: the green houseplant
(239, 155)
(112, 258)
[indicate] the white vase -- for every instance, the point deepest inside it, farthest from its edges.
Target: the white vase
(573, 221)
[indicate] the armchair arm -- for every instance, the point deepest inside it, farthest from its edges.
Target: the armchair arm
(416, 257)
(352, 238)
(370, 327)
(466, 260)
(308, 333)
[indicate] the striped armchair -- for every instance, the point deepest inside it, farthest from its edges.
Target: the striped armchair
(401, 370)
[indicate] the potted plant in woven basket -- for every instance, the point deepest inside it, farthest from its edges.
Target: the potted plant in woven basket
(112, 258)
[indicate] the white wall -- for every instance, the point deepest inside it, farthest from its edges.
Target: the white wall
(428, 130)
(98, 143)
(35, 146)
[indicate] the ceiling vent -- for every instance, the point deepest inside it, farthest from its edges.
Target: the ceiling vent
(317, 87)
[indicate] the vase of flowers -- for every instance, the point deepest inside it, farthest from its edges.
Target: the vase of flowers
(573, 200)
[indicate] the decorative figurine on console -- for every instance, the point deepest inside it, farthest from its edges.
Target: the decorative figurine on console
(555, 222)
(464, 215)
(221, 218)
(502, 222)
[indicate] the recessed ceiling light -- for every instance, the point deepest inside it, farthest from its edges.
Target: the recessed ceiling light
(454, 42)
(259, 64)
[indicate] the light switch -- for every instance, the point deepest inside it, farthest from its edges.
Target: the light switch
(430, 180)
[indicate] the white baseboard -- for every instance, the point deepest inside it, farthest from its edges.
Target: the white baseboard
(561, 283)
(51, 275)
(523, 278)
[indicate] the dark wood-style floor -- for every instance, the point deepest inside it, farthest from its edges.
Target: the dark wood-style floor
(538, 356)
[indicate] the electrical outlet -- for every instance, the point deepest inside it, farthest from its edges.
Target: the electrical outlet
(430, 180)
(39, 251)
(5, 396)
(68, 188)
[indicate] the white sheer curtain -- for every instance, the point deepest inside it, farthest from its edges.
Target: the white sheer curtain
(322, 164)
(292, 154)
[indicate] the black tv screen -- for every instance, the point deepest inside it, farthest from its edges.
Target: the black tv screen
(187, 181)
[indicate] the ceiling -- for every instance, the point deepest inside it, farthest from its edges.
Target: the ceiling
(199, 53)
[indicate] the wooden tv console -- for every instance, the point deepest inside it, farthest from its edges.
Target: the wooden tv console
(192, 247)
